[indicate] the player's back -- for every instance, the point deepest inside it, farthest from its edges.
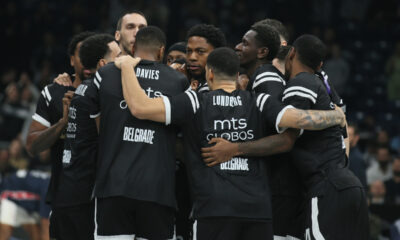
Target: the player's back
(136, 157)
(314, 151)
(239, 187)
(80, 148)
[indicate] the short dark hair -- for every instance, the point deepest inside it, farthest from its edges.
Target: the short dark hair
(283, 52)
(77, 39)
(94, 48)
(179, 46)
(311, 50)
(150, 36)
(212, 34)
(119, 23)
(224, 61)
(279, 27)
(267, 37)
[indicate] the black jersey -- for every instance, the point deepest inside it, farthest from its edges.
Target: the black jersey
(80, 148)
(267, 79)
(284, 177)
(315, 151)
(239, 187)
(136, 157)
(49, 111)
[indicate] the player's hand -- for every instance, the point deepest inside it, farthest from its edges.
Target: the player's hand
(66, 102)
(221, 152)
(343, 116)
(63, 80)
(126, 60)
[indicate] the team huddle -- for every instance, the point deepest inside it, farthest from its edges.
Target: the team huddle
(264, 138)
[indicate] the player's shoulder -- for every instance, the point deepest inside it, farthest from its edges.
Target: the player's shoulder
(54, 90)
(304, 79)
(171, 72)
(85, 87)
(267, 70)
(106, 70)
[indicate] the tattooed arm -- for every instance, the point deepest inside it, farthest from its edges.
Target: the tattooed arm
(312, 119)
(224, 150)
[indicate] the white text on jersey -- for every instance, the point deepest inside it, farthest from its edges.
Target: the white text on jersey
(238, 164)
(147, 73)
(138, 135)
(227, 101)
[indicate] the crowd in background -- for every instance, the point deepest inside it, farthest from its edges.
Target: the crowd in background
(363, 64)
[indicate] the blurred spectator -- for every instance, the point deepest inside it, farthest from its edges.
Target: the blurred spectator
(382, 138)
(395, 231)
(393, 185)
(382, 168)
(12, 114)
(377, 192)
(393, 74)
(357, 163)
(337, 69)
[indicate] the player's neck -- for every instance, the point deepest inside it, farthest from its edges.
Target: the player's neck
(300, 68)
(146, 56)
(77, 81)
(278, 64)
(224, 84)
(252, 67)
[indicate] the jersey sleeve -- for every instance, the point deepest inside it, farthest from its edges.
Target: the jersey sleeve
(300, 94)
(272, 110)
(93, 95)
(181, 108)
(43, 108)
(268, 82)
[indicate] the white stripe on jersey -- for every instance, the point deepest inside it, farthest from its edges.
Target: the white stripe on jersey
(267, 74)
(195, 230)
(270, 79)
(279, 118)
(303, 89)
(95, 115)
(98, 77)
(191, 97)
(263, 102)
(48, 96)
(167, 105)
(276, 237)
(259, 99)
(314, 220)
(45, 98)
(204, 88)
(300, 94)
(96, 83)
(41, 120)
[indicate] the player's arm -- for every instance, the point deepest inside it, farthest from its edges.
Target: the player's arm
(312, 119)
(139, 104)
(41, 137)
(224, 150)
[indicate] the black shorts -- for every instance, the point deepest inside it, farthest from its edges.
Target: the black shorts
(232, 229)
(76, 222)
(337, 215)
(124, 218)
(285, 211)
